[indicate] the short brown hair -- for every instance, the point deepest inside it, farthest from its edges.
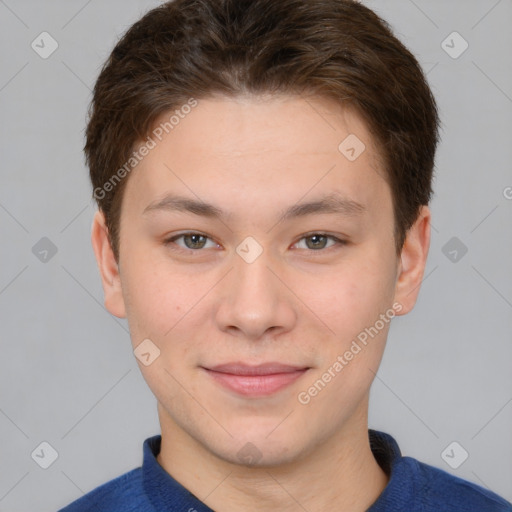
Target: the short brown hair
(337, 49)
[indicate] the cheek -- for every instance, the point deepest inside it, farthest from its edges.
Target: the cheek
(352, 297)
(353, 301)
(156, 298)
(159, 301)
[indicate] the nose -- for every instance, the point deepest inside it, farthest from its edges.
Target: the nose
(254, 301)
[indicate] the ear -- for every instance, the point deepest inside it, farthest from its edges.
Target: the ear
(109, 270)
(412, 261)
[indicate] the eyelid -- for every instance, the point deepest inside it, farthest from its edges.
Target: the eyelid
(167, 241)
(338, 241)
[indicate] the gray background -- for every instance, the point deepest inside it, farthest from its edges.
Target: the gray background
(67, 372)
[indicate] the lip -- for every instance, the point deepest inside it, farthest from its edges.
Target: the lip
(255, 381)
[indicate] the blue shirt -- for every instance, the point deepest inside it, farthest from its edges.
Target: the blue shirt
(413, 487)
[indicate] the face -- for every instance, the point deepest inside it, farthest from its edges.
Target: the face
(250, 237)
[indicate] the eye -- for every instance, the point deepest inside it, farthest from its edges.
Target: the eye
(318, 241)
(193, 241)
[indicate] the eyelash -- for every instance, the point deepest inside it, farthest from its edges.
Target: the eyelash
(171, 240)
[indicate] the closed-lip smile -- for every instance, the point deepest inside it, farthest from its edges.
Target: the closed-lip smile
(255, 380)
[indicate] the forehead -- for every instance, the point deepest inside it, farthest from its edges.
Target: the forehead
(271, 145)
(305, 125)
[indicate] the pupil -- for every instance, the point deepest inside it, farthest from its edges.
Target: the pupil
(195, 241)
(317, 240)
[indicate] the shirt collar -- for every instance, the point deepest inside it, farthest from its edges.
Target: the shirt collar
(162, 490)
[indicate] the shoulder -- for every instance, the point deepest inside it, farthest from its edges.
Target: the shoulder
(122, 493)
(418, 487)
(436, 489)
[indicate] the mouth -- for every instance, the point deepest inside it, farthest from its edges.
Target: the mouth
(255, 381)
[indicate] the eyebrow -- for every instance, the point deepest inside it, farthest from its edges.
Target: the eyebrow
(333, 203)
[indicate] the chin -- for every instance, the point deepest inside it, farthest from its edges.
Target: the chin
(259, 446)
(258, 454)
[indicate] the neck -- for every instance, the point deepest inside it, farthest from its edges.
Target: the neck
(341, 470)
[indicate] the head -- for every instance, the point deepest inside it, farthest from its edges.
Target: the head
(297, 140)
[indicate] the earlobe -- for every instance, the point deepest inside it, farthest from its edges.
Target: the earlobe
(412, 261)
(108, 267)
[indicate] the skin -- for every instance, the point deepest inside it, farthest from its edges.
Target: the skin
(298, 303)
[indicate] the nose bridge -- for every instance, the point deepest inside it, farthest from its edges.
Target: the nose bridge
(251, 262)
(255, 299)
(252, 280)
